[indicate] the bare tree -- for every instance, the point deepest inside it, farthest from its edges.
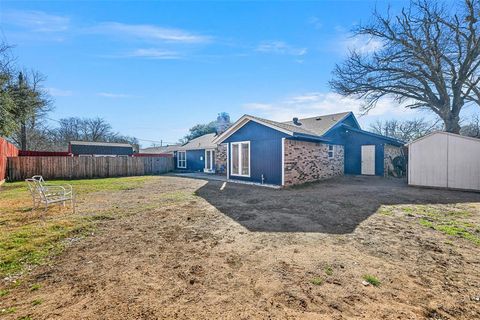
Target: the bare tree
(96, 129)
(407, 130)
(429, 59)
(472, 129)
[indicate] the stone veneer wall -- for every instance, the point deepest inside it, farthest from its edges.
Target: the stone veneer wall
(389, 153)
(308, 161)
(221, 159)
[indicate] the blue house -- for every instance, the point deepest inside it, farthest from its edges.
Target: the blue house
(201, 155)
(303, 150)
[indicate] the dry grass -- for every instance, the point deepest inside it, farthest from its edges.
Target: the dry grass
(26, 239)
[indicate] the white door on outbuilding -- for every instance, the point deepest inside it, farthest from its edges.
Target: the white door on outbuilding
(368, 159)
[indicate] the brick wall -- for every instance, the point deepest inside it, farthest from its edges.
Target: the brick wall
(390, 152)
(221, 159)
(308, 161)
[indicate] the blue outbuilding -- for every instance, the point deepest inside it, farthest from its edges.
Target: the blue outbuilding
(303, 150)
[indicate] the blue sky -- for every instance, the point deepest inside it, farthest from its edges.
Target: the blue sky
(154, 69)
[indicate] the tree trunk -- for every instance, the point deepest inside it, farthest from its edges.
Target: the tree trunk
(23, 138)
(452, 123)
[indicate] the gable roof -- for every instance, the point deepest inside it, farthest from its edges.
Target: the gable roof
(202, 142)
(312, 127)
(319, 125)
(162, 149)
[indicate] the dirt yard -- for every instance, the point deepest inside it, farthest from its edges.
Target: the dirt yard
(192, 251)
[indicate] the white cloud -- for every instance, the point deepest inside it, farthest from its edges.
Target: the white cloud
(317, 103)
(113, 95)
(361, 44)
(154, 53)
(37, 21)
(317, 24)
(280, 47)
(55, 92)
(149, 32)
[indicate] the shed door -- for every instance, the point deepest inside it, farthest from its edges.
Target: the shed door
(368, 159)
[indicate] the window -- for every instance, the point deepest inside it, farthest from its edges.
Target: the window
(182, 159)
(331, 151)
(240, 159)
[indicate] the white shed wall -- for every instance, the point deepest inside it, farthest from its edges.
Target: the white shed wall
(445, 160)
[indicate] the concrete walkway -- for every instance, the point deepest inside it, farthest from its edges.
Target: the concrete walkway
(216, 177)
(200, 175)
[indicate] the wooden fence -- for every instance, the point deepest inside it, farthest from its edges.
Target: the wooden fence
(20, 168)
(6, 150)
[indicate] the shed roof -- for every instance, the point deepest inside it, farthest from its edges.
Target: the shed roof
(104, 144)
(202, 142)
(444, 133)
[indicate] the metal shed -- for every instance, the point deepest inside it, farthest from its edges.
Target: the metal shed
(444, 160)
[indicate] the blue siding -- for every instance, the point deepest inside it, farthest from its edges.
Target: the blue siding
(352, 142)
(265, 152)
(195, 160)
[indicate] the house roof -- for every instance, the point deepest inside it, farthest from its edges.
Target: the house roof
(319, 125)
(100, 144)
(203, 142)
(162, 149)
(313, 127)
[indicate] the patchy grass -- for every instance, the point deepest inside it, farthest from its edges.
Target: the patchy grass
(36, 302)
(26, 240)
(8, 310)
(447, 219)
(4, 293)
(328, 270)
(35, 287)
(372, 280)
(316, 281)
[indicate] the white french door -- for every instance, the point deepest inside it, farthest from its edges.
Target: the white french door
(182, 159)
(209, 160)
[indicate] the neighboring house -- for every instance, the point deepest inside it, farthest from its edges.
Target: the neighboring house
(303, 150)
(202, 154)
(161, 150)
(98, 149)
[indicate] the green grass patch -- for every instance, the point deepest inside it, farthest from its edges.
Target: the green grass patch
(35, 286)
(36, 302)
(3, 293)
(372, 280)
(8, 310)
(328, 270)
(26, 240)
(316, 281)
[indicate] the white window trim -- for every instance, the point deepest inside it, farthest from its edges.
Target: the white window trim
(178, 160)
(240, 164)
(332, 151)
